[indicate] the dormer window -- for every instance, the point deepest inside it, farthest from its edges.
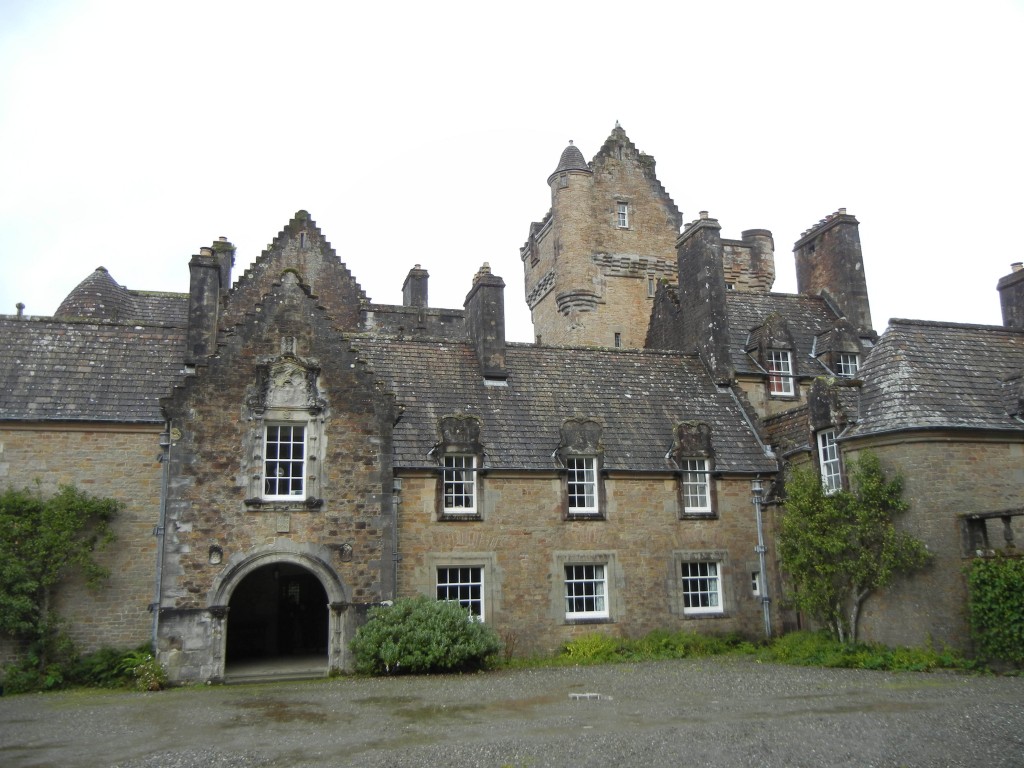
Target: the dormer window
(459, 454)
(847, 364)
(696, 488)
(459, 484)
(779, 364)
(582, 485)
(622, 215)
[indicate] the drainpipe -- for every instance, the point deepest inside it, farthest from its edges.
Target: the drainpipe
(165, 471)
(766, 601)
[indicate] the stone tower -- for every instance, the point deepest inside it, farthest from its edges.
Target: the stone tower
(593, 263)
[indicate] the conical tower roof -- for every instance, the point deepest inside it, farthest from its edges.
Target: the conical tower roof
(98, 296)
(571, 160)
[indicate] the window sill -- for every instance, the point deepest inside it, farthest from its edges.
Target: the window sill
(280, 505)
(595, 620)
(709, 615)
(712, 515)
(459, 517)
(584, 516)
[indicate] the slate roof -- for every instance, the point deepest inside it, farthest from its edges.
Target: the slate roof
(638, 396)
(100, 297)
(939, 375)
(806, 316)
(86, 370)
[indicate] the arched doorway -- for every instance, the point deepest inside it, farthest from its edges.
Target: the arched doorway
(278, 613)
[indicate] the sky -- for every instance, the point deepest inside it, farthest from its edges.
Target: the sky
(132, 134)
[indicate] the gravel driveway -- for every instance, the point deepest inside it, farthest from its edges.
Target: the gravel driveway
(716, 712)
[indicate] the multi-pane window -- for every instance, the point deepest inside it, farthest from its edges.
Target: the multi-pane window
(460, 484)
(586, 592)
(464, 585)
(284, 461)
(780, 371)
(702, 588)
(622, 215)
(847, 364)
(582, 484)
(828, 460)
(696, 488)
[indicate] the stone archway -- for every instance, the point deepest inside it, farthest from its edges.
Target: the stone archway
(277, 612)
(284, 613)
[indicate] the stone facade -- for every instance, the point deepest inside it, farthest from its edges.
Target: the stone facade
(291, 454)
(522, 542)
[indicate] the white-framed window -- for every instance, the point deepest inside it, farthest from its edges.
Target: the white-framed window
(284, 461)
(779, 363)
(828, 461)
(847, 364)
(462, 584)
(586, 591)
(459, 484)
(582, 484)
(702, 587)
(755, 583)
(622, 215)
(696, 486)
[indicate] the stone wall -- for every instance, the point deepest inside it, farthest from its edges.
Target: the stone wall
(522, 542)
(945, 477)
(118, 462)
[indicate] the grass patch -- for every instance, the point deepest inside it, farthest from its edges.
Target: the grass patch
(812, 649)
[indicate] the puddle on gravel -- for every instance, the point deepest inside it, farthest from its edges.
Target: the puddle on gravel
(276, 711)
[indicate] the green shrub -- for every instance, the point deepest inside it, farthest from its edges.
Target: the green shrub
(100, 669)
(418, 635)
(996, 607)
(592, 649)
(821, 649)
(142, 667)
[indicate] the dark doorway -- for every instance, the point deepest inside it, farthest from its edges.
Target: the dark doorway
(278, 610)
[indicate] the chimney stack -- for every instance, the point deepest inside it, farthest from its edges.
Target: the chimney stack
(1011, 296)
(705, 324)
(829, 261)
(414, 290)
(485, 315)
(210, 277)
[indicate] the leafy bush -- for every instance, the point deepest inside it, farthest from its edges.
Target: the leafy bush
(100, 669)
(996, 607)
(592, 649)
(419, 635)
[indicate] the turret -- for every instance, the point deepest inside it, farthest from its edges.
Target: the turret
(829, 261)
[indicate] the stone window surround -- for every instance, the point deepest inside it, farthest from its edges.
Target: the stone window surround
(612, 581)
(459, 435)
(314, 428)
(676, 593)
(485, 561)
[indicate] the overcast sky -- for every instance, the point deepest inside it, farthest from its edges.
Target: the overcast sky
(134, 133)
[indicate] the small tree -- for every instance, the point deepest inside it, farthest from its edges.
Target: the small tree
(838, 549)
(42, 541)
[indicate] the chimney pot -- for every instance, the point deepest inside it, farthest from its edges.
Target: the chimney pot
(1017, 266)
(703, 214)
